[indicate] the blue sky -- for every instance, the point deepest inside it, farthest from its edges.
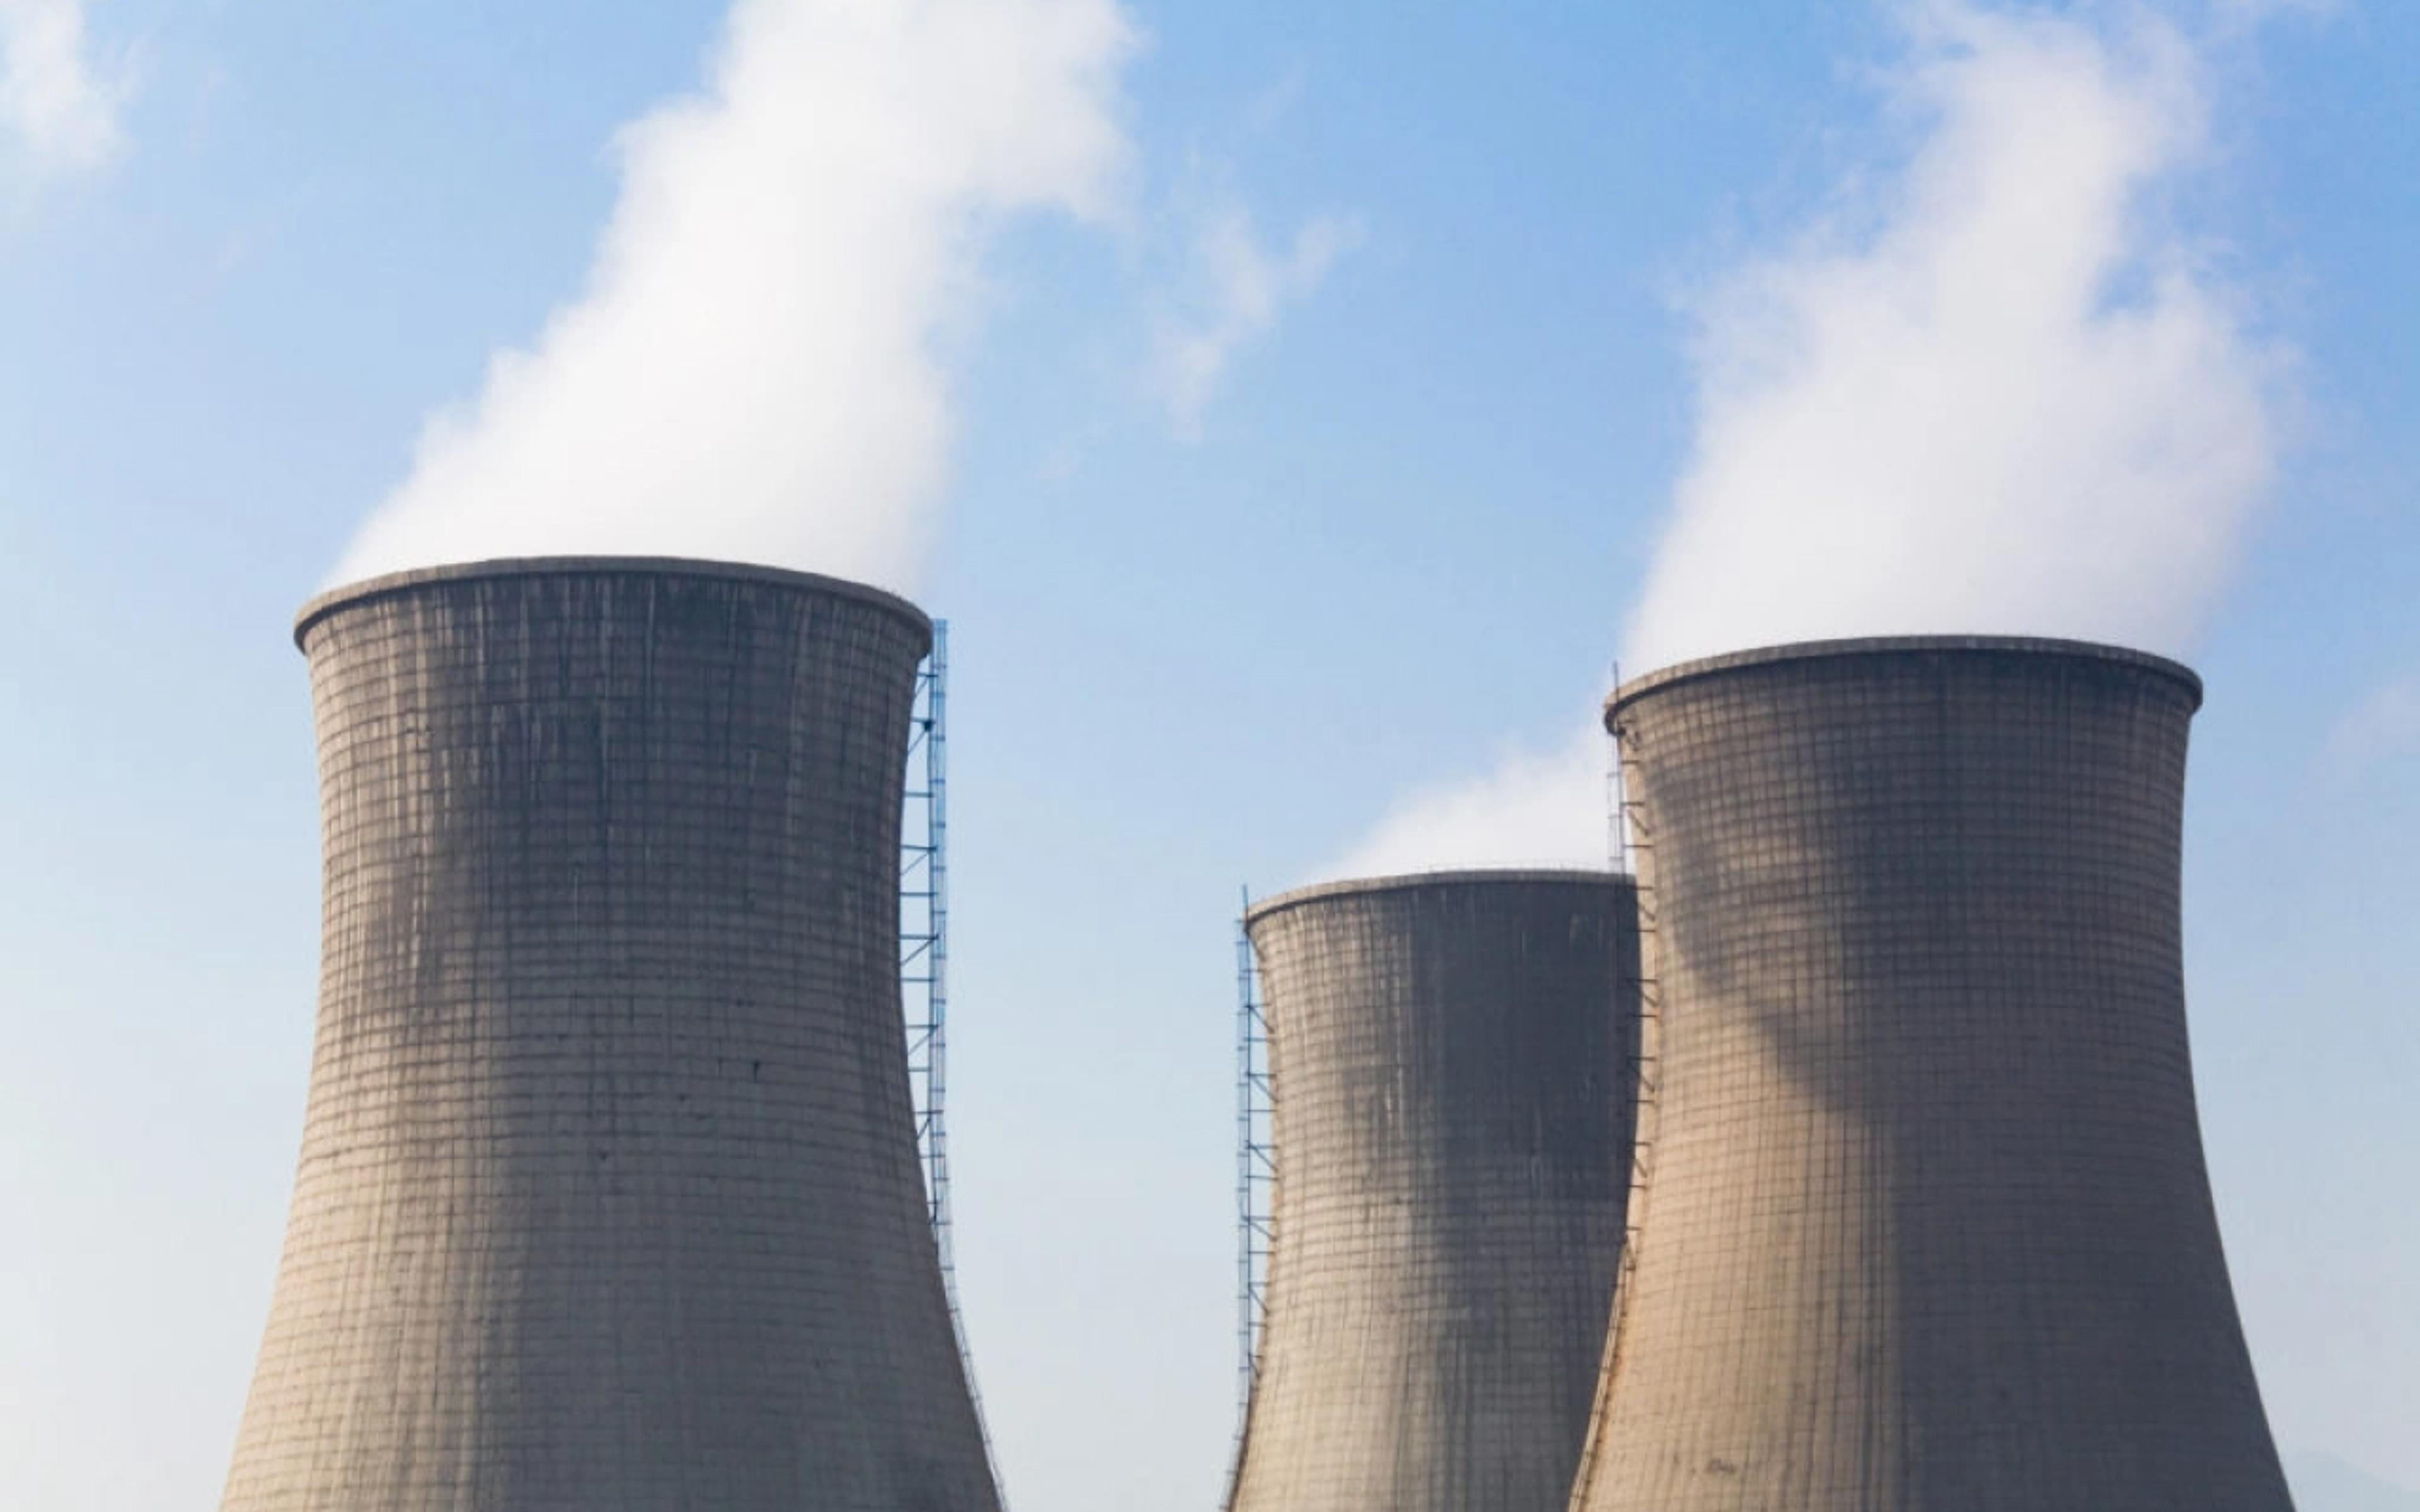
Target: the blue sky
(1308, 444)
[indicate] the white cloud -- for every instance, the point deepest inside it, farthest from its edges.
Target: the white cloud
(1546, 809)
(1237, 288)
(751, 370)
(1997, 393)
(2381, 727)
(59, 113)
(2019, 403)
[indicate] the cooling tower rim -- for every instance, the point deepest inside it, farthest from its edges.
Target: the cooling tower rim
(347, 594)
(1410, 881)
(1688, 671)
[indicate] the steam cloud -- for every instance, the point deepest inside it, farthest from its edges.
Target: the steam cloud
(752, 371)
(2009, 399)
(1244, 288)
(58, 114)
(2020, 406)
(1537, 807)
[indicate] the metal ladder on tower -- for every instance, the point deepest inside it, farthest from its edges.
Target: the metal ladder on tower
(923, 969)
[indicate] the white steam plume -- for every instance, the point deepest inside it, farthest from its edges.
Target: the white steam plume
(1539, 809)
(750, 372)
(58, 113)
(2020, 405)
(1242, 288)
(2015, 401)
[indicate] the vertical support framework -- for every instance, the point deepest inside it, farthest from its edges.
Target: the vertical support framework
(1255, 1169)
(1633, 855)
(925, 960)
(923, 928)
(1616, 801)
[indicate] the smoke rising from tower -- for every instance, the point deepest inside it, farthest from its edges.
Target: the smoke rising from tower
(2017, 402)
(1532, 809)
(751, 370)
(1999, 393)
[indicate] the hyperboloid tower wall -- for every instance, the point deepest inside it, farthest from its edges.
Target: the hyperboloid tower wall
(1926, 1226)
(1452, 1057)
(608, 1198)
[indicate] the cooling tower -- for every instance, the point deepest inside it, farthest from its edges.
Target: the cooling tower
(1924, 1225)
(608, 1197)
(1451, 1057)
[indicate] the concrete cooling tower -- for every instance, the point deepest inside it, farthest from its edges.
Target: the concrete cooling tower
(1452, 1059)
(608, 1198)
(1924, 1225)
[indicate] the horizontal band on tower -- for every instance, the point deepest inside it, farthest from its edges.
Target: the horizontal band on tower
(1665, 677)
(1400, 881)
(345, 595)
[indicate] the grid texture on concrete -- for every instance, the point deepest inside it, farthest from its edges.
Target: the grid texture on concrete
(1927, 1226)
(608, 1199)
(1451, 1057)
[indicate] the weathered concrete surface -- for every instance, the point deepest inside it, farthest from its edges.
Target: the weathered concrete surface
(1451, 1062)
(1926, 1226)
(608, 1195)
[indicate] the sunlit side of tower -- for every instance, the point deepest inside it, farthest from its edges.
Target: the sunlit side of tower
(1451, 1063)
(1925, 1225)
(608, 1195)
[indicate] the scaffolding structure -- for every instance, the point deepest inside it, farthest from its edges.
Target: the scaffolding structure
(1633, 855)
(1255, 1170)
(924, 958)
(1631, 838)
(1617, 803)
